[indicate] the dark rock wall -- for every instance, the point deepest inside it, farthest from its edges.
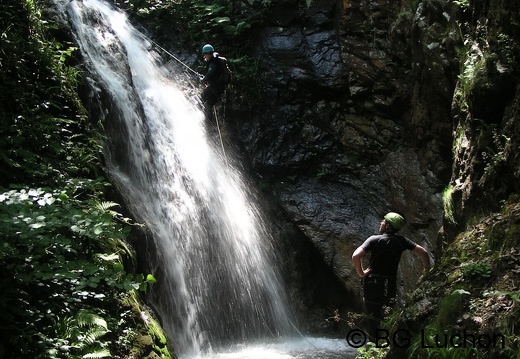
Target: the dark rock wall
(357, 122)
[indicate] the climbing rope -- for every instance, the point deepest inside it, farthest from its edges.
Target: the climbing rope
(170, 54)
(301, 335)
(198, 74)
(220, 136)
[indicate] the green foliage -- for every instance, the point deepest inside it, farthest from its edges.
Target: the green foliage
(501, 238)
(475, 291)
(41, 128)
(496, 153)
(78, 336)
(53, 261)
(63, 252)
(477, 271)
(507, 49)
(486, 53)
(371, 351)
(200, 22)
(473, 64)
(435, 342)
(462, 4)
(449, 308)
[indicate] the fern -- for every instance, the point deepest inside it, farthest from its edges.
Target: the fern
(106, 206)
(103, 257)
(103, 353)
(83, 331)
(93, 334)
(86, 318)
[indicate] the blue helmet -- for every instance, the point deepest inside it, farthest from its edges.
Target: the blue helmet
(207, 48)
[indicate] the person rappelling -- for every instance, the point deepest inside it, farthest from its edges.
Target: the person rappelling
(216, 78)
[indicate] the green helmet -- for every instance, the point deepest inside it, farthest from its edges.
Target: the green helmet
(207, 48)
(395, 219)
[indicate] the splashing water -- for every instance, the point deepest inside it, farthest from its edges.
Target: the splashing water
(218, 283)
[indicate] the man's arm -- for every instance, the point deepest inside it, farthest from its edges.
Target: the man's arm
(356, 259)
(423, 254)
(212, 68)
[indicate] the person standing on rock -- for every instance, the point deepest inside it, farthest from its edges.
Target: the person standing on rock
(380, 277)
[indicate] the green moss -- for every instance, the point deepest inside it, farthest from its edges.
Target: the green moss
(449, 308)
(473, 287)
(454, 276)
(157, 332)
(505, 232)
(151, 342)
(141, 346)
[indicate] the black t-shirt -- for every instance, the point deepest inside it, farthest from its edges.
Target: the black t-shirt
(385, 252)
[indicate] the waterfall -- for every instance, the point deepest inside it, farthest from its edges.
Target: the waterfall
(218, 280)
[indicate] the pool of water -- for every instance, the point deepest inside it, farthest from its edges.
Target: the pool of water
(297, 348)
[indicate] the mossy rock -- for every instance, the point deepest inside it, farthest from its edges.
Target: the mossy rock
(474, 287)
(151, 341)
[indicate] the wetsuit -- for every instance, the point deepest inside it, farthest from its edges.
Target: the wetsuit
(214, 78)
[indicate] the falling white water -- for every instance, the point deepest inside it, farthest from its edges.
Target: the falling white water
(218, 284)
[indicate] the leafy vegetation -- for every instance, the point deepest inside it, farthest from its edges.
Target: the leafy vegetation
(41, 119)
(66, 266)
(216, 21)
(477, 271)
(80, 334)
(435, 343)
(472, 290)
(473, 66)
(371, 351)
(497, 152)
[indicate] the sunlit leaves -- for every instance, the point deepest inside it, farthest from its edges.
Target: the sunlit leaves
(78, 336)
(221, 22)
(62, 249)
(39, 106)
(52, 249)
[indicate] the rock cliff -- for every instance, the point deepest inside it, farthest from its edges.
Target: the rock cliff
(358, 122)
(376, 106)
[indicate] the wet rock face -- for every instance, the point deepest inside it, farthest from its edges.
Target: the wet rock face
(357, 122)
(300, 51)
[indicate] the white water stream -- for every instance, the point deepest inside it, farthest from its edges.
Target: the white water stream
(219, 293)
